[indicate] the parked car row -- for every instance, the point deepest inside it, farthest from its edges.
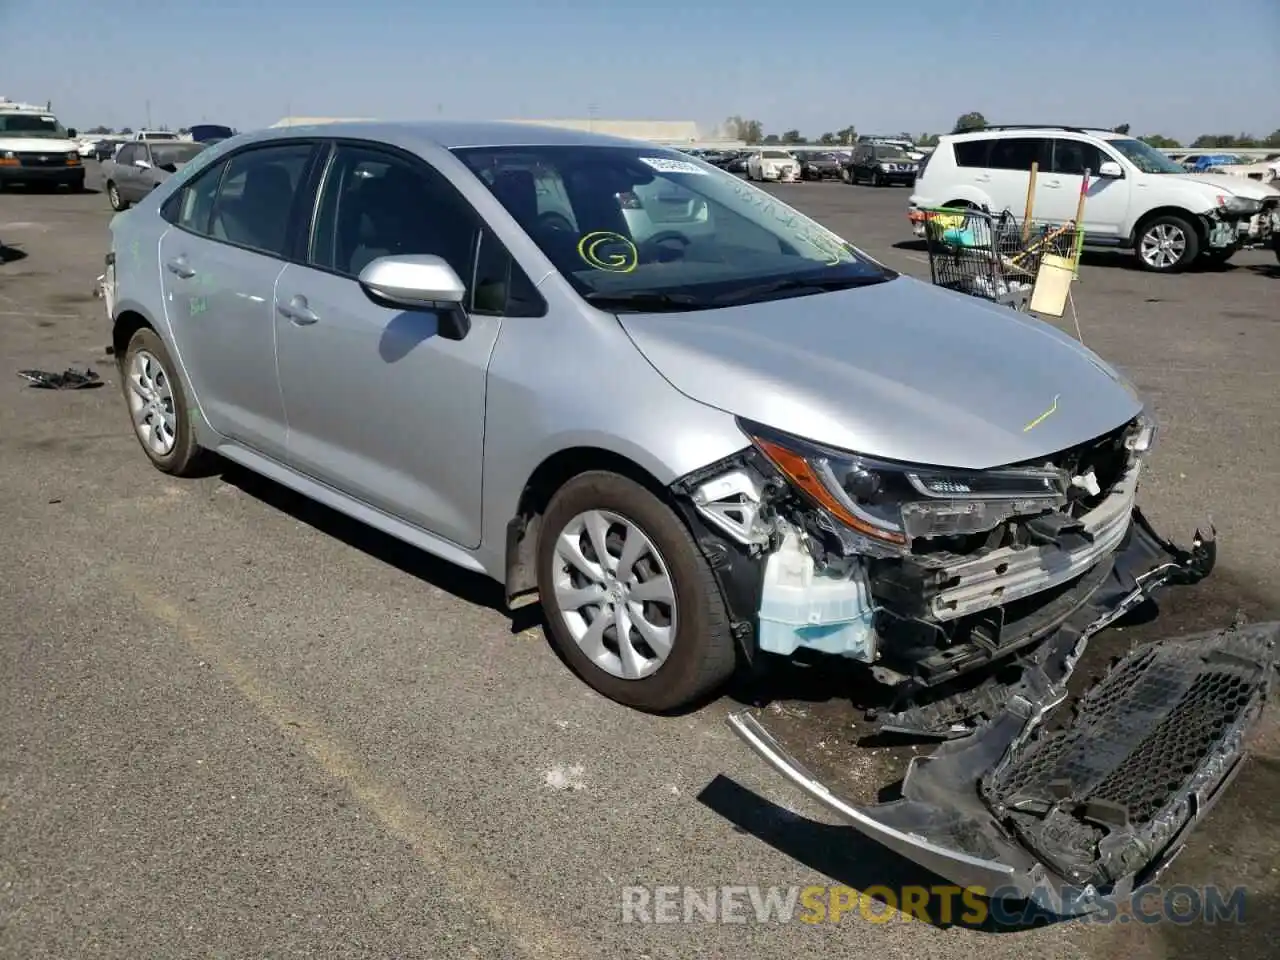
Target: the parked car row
(873, 160)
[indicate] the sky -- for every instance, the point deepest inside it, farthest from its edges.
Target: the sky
(1174, 67)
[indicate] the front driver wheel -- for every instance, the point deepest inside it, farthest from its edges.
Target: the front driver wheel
(1167, 244)
(113, 197)
(630, 601)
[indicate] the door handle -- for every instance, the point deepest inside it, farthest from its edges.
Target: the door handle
(179, 266)
(1054, 184)
(984, 178)
(297, 311)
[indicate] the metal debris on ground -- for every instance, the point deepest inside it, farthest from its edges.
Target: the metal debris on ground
(67, 380)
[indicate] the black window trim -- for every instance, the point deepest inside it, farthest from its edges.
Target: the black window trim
(219, 166)
(307, 234)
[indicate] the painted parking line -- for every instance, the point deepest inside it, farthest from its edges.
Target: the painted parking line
(531, 935)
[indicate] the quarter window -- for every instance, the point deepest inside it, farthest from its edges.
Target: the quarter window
(191, 206)
(971, 153)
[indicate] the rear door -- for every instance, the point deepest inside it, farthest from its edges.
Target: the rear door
(232, 229)
(1009, 171)
(382, 403)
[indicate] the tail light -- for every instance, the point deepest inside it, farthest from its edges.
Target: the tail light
(629, 201)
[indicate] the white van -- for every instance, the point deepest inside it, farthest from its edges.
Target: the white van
(36, 150)
(1137, 198)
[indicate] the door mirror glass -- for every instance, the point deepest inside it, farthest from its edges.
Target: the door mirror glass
(1110, 169)
(417, 280)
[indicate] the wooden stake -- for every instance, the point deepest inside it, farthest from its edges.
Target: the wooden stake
(1031, 199)
(1084, 192)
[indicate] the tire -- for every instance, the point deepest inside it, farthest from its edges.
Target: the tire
(875, 179)
(846, 175)
(702, 654)
(1174, 230)
(147, 355)
(117, 202)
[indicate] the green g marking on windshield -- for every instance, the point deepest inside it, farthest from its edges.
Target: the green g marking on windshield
(1044, 416)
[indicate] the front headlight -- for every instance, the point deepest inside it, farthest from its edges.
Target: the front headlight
(884, 166)
(890, 503)
(1239, 204)
(8, 155)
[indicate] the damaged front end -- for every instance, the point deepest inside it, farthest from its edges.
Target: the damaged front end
(971, 595)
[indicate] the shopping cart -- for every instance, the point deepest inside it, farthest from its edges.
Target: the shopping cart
(992, 256)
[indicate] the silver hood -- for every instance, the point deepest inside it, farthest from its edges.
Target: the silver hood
(901, 370)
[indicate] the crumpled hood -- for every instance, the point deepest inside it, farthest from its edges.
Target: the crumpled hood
(901, 370)
(38, 145)
(1224, 182)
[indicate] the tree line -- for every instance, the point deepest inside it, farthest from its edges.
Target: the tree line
(752, 131)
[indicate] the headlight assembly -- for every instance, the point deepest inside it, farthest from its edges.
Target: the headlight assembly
(891, 504)
(1239, 204)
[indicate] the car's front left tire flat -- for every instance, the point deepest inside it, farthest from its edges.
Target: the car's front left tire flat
(631, 603)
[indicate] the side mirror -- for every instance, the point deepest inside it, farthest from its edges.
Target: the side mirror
(71, 133)
(1110, 170)
(419, 282)
(142, 164)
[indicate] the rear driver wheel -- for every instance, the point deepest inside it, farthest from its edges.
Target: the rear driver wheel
(630, 601)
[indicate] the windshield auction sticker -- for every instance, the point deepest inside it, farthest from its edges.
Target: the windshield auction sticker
(667, 165)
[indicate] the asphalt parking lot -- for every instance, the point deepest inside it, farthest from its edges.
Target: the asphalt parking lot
(234, 725)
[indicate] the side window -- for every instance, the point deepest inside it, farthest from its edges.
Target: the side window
(1018, 153)
(255, 197)
(971, 153)
(127, 154)
(376, 204)
(190, 207)
(1073, 157)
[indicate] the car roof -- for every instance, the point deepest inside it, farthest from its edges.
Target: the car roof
(1045, 131)
(453, 134)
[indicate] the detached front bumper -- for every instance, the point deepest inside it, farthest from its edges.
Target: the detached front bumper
(1099, 806)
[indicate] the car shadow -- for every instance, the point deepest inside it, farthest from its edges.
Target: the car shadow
(1271, 270)
(467, 586)
(878, 880)
(12, 254)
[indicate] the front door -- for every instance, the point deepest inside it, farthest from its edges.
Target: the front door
(1106, 203)
(382, 403)
(220, 262)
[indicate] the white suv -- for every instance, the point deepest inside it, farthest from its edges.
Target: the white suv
(1137, 198)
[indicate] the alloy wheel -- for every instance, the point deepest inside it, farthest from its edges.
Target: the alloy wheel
(615, 594)
(151, 403)
(1163, 246)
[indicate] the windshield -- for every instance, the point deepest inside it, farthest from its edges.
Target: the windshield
(166, 154)
(1145, 157)
(775, 154)
(31, 125)
(650, 225)
(891, 153)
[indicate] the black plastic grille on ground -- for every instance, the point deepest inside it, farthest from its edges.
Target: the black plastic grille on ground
(1138, 741)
